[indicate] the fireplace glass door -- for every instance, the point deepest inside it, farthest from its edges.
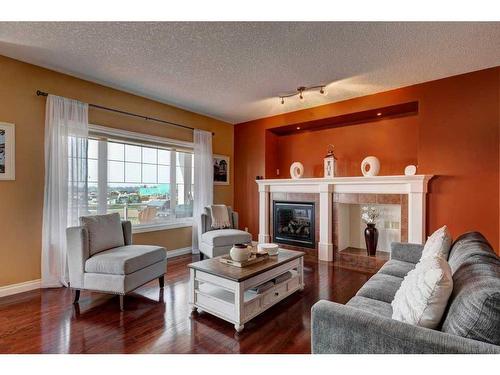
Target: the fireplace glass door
(293, 223)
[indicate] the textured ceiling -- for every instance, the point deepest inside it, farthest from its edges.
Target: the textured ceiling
(235, 71)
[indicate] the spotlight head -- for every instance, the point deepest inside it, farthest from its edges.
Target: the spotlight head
(322, 90)
(282, 100)
(301, 97)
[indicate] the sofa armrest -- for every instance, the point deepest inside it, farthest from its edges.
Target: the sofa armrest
(406, 252)
(127, 232)
(204, 223)
(339, 328)
(77, 241)
(235, 219)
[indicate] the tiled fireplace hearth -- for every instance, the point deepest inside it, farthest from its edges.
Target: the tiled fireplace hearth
(331, 201)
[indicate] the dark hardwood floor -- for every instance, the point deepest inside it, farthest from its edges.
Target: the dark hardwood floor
(46, 321)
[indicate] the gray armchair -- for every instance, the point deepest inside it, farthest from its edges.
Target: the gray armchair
(216, 242)
(102, 258)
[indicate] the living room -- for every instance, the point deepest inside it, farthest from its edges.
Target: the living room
(295, 187)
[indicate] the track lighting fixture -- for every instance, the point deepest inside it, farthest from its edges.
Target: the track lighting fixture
(300, 92)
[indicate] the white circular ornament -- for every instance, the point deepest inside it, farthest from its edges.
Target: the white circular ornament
(370, 166)
(410, 170)
(296, 170)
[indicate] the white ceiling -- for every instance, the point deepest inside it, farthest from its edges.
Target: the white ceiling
(235, 71)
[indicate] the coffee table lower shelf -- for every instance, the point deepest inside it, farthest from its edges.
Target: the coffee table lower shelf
(233, 301)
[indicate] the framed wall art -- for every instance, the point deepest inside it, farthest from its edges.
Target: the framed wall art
(7, 151)
(221, 169)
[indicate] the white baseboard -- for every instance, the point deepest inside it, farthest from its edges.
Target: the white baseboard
(26, 286)
(178, 252)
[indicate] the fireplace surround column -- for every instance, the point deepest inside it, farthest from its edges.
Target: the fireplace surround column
(264, 214)
(325, 245)
(416, 217)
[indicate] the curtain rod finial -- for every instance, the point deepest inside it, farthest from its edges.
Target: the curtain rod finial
(41, 93)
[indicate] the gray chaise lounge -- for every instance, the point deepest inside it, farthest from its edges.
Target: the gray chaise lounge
(216, 242)
(102, 258)
(471, 323)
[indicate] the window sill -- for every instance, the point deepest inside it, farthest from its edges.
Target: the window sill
(162, 226)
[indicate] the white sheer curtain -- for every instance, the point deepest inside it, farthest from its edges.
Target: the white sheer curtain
(65, 196)
(203, 181)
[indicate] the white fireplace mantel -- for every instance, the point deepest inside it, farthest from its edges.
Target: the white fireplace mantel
(414, 186)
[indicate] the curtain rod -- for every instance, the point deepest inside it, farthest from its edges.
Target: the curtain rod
(41, 93)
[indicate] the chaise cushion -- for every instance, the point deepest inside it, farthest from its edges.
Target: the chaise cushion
(381, 287)
(125, 260)
(397, 268)
(371, 305)
(225, 237)
(105, 232)
(474, 306)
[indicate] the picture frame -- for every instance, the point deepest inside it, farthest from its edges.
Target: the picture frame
(7, 151)
(221, 169)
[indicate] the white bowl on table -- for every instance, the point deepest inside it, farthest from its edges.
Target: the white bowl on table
(269, 248)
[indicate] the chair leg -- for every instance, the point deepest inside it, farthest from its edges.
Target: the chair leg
(161, 280)
(77, 296)
(122, 302)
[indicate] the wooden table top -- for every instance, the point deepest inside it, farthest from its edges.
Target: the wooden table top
(217, 268)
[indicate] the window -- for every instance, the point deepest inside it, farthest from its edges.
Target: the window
(149, 184)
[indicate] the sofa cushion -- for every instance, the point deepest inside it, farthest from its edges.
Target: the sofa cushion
(381, 287)
(125, 260)
(474, 307)
(105, 232)
(371, 305)
(396, 268)
(421, 300)
(225, 237)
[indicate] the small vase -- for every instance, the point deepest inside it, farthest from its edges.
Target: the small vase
(240, 252)
(371, 239)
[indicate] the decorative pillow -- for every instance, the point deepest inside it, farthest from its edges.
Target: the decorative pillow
(105, 232)
(438, 243)
(220, 216)
(423, 295)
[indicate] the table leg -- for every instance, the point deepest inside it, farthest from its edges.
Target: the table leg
(239, 302)
(192, 290)
(300, 269)
(239, 327)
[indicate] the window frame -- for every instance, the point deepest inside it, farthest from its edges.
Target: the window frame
(103, 135)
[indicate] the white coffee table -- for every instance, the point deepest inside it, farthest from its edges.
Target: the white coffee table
(224, 290)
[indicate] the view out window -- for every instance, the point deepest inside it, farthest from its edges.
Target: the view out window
(147, 185)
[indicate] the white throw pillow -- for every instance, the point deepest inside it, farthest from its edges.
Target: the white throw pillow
(438, 243)
(423, 295)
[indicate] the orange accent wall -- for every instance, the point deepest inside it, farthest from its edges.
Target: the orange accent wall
(455, 135)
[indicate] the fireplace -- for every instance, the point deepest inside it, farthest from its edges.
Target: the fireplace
(293, 223)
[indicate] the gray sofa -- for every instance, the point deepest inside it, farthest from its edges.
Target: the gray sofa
(216, 242)
(471, 323)
(102, 258)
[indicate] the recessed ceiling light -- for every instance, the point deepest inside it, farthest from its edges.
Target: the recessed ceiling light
(379, 114)
(298, 127)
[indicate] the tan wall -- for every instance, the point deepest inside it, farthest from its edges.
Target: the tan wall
(21, 201)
